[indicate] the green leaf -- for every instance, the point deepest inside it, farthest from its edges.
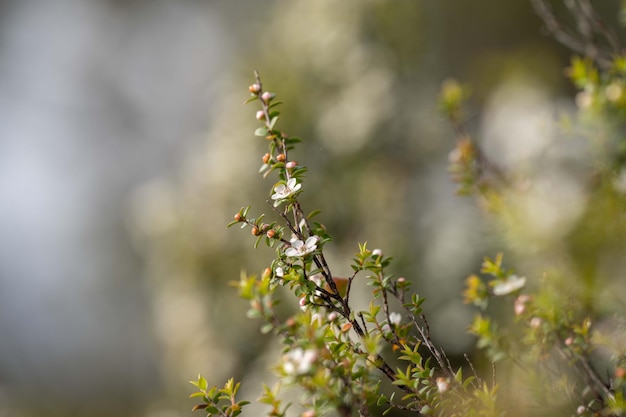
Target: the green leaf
(251, 99)
(202, 383)
(261, 131)
(266, 328)
(273, 122)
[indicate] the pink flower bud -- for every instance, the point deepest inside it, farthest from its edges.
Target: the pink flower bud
(291, 164)
(255, 88)
(580, 410)
(377, 252)
(520, 304)
(267, 96)
(260, 115)
(569, 341)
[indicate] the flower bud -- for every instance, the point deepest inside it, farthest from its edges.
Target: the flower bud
(260, 115)
(520, 304)
(281, 157)
(266, 158)
(267, 96)
(255, 88)
(442, 384)
(291, 164)
(620, 372)
(377, 252)
(255, 231)
(239, 217)
(569, 341)
(267, 272)
(580, 410)
(271, 233)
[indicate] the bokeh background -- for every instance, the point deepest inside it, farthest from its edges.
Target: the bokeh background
(125, 149)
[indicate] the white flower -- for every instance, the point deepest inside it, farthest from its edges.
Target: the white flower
(279, 272)
(299, 361)
(512, 283)
(282, 191)
(395, 318)
(300, 248)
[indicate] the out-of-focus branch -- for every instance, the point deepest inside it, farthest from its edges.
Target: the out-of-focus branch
(591, 37)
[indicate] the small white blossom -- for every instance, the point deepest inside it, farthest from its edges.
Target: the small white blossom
(395, 318)
(299, 361)
(377, 252)
(279, 272)
(283, 191)
(300, 248)
(511, 284)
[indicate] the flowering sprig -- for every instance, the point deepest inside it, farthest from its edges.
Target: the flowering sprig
(218, 402)
(333, 352)
(548, 326)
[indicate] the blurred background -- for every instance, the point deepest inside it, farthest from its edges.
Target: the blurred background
(125, 149)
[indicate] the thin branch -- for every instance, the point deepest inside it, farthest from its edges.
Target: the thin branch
(584, 40)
